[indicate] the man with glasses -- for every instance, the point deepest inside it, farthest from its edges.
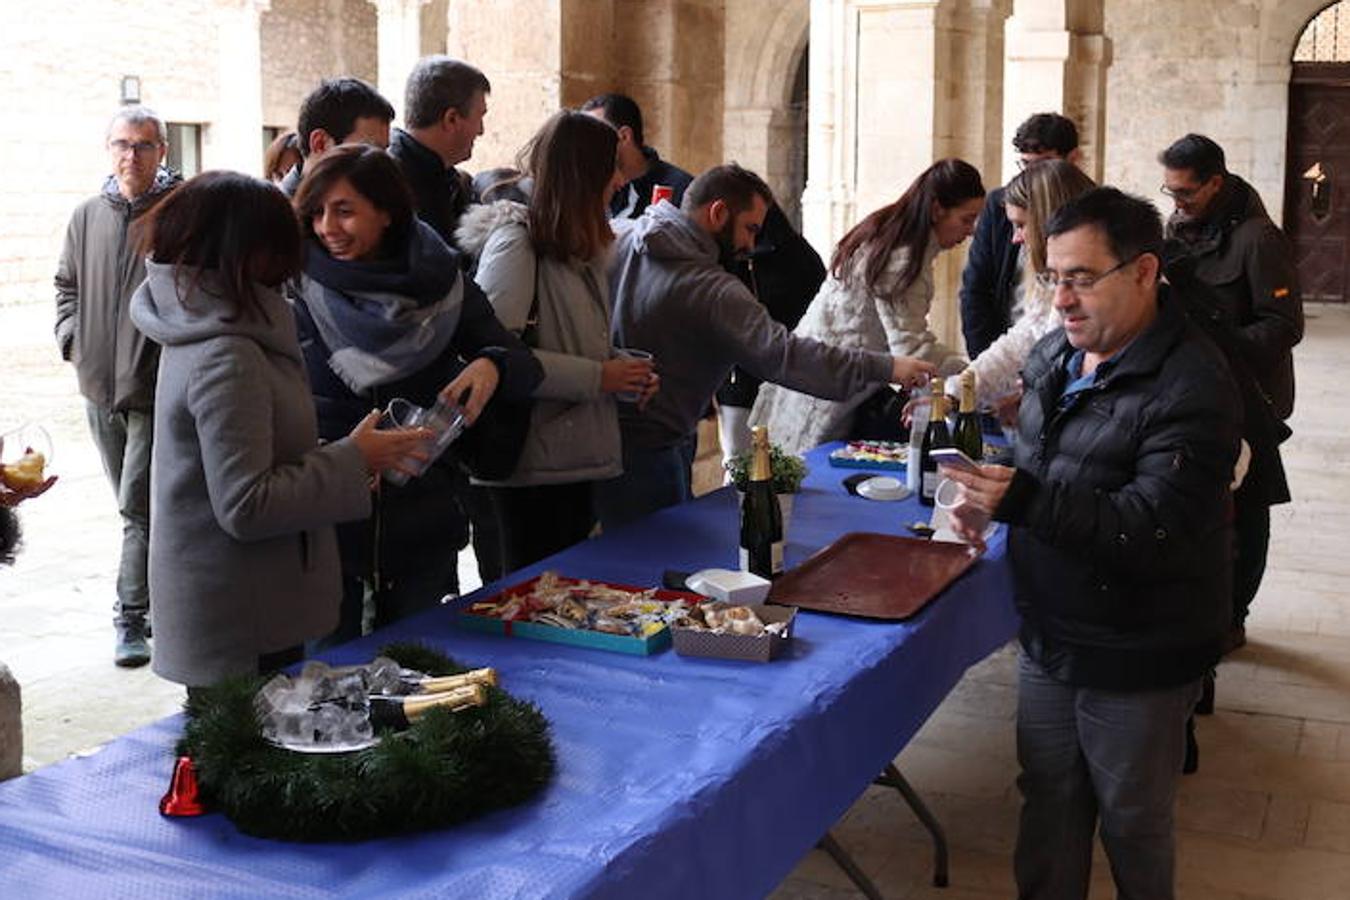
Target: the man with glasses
(115, 364)
(992, 283)
(1119, 542)
(1227, 257)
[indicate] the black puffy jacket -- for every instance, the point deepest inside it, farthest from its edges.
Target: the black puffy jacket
(1120, 510)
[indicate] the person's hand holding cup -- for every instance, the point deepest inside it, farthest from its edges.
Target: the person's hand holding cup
(629, 375)
(969, 497)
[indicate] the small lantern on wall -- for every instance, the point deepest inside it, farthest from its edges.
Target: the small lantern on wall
(131, 89)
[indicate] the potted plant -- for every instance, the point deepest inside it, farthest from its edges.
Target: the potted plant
(787, 469)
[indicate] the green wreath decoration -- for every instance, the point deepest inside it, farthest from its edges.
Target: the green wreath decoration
(446, 768)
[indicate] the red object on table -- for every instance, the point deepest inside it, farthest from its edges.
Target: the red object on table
(182, 798)
(662, 192)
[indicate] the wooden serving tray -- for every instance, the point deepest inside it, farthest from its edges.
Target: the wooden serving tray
(876, 576)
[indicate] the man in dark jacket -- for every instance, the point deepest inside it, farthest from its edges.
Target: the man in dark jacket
(992, 278)
(1223, 251)
(444, 106)
(1118, 508)
(641, 165)
(99, 270)
(338, 111)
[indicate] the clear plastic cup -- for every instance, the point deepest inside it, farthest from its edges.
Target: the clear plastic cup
(950, 496)
(630, 353)
(445, 420)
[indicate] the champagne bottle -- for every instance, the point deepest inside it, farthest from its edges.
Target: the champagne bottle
(935, 436)
(400, 712)
(761, 519)
(968, 436)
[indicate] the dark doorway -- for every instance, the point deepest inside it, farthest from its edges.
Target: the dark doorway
(1317, 180)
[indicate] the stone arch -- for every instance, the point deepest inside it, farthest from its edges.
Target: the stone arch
(1286, 21)
(764, 126)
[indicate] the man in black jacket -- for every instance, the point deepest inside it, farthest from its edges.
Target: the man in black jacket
(338, 111)
(1119, 511)
(443, 108)
(641, 165)
(1224, 252)
(993, 274)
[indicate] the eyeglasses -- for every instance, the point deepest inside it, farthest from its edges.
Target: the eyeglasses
(140, 148)
(1080, 282)
(1182, 194)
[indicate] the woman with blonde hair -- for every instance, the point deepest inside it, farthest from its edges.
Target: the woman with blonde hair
(1029, 200)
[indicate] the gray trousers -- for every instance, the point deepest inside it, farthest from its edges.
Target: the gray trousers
(123, 440)
(1089, 755)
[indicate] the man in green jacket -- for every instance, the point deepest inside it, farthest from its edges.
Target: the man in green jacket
(115, 364)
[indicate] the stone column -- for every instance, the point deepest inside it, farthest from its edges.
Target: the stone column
(1056, 61)
(399, 35)
(11, 726)
(235, 139)
(827, 202)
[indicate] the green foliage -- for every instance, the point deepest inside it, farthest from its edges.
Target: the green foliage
(788, 470)
(446, 768)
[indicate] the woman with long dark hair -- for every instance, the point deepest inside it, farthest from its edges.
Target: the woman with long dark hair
(550, 256)
(878, 296)
(243, 560)
(383, 311)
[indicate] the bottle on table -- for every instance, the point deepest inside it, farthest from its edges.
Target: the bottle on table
(761, 518)
(968, 437)
(918, 426)
(935, 436)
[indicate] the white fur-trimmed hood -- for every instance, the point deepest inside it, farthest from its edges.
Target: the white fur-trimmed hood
(480, 220)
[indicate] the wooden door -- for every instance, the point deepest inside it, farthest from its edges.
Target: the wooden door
(1317, 183)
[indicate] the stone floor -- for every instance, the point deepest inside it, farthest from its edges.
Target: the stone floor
(1266, 818)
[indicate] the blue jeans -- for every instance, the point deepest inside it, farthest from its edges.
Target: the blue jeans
(652, 479)
(1086, 755)
(124, 440)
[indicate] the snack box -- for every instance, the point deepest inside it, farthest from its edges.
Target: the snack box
(757, 648)
(633, 645)
(886, 455)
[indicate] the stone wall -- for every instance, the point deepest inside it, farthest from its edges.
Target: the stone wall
(1192, 65)
(306, 41)
(60, 71)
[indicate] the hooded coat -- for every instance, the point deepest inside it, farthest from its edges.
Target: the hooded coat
(673, 299)
(574, 429)
(243, 558)
(99, 270)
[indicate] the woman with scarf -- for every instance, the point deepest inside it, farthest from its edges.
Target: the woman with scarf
(877, 298)
(551, 256)
(383, 312)
(243, 561)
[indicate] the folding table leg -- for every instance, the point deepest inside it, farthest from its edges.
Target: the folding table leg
(892, 778)
(842, 859)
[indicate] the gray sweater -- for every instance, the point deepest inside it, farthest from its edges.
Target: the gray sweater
(243, 558)
(672, 299)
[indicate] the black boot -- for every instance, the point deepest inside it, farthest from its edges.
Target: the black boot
(133, 650)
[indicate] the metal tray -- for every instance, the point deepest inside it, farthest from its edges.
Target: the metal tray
(875, 576)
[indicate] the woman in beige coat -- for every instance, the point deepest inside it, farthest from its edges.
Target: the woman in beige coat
(555, 250)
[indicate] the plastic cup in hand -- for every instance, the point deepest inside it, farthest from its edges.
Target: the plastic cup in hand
(445, 420)
(629, 353)
(951, 496)
(26, 456)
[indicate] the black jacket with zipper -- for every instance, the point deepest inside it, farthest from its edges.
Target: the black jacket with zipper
(1120, 510)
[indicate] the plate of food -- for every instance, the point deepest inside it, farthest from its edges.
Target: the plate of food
(598, 614)
(870, 455)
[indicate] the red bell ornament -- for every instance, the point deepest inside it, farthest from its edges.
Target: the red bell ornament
(182, 798)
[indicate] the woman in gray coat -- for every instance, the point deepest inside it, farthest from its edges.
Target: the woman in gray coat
(243, 561)
(553, 253)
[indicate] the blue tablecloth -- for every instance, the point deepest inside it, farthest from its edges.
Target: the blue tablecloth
(678, 777)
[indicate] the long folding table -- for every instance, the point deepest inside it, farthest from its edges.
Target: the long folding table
(678, 777)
